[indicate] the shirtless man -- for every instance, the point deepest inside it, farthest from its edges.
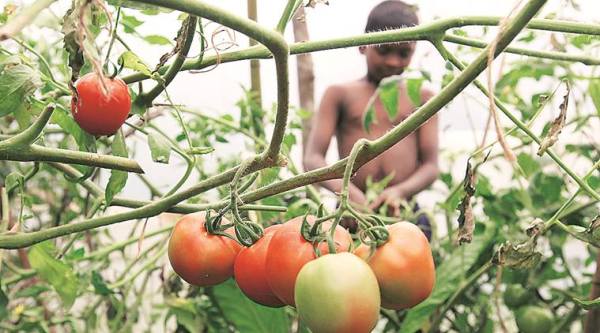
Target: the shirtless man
(412, 161)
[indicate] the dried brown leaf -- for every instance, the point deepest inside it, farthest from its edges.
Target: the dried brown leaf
(557, 124)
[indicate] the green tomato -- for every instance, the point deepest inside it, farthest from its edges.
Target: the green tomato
(337, 293)
(515, 296)
(534, 319)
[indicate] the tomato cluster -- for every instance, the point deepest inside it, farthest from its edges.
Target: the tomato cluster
(339, 292)
(100, 110)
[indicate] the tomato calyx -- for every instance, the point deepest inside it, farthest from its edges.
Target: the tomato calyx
(246, 232)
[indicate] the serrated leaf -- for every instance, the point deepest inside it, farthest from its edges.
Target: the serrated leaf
(17, 83)
(388, 94)
(99, 285)
(118, 178)
(58, 274)
(132, 61)
(157, 40)
(160, 148)
(448, 275)
(413, 88)
(247, 316)
(594, 91)
(369, 118)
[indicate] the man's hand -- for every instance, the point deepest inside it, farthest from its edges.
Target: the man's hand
(357, 196)
(391, 197)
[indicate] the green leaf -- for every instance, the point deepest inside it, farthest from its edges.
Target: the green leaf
(14, 180)
(99, 285)
(132, 61)
(157, 40)
(449, 275)
(369, 119)
(185, 314)
(118, 178)
(413, 87)
(75, 254)
(33, 291)
(3, 305)
(130, 23)
(17, 83)
(388, 93)
(23, 116)
(529, 165)
(58, 274)
(62, 118)
(160, 148)
(594, 91)
(247, 316)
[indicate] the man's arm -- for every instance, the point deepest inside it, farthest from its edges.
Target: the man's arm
(427, 171)
(323, 128)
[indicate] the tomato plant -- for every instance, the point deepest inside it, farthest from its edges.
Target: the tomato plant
(97, 111)
(250, 271)
(198, 257)
(288, 252)
(337, 293)
(403, 266)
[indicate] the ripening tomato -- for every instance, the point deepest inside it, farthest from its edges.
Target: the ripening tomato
(288, 251)
(200, 258)
(96, 112)
(250, 272)
(337, 293)
(403, 266)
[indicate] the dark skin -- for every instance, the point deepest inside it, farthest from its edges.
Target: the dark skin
(412, 161)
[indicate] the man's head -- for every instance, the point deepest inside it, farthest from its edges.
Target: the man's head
(389, 59)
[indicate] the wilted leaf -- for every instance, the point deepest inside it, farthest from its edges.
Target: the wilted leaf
(557, 124)
(58, 274)
(118, 178)
(160, 148)
(466, 220)
(519, 256)
(314, 3)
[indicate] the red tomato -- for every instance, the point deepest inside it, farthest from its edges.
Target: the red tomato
(403, 266)
(337, 293)
(250, 273)
(98, 113)
(289, 251)
(198, 257)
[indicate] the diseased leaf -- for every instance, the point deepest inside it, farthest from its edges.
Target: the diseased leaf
(557, 124)
(118, 178)
(247, 316)
(160, 148)
(519, 256)
(413, 88)
(448, 275)
(466, 220)
(388, 94)
(58, 274)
